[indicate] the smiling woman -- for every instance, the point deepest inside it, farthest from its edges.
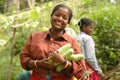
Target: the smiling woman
(60, 17)
(43, 46)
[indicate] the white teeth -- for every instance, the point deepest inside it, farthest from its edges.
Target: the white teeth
(57, 23)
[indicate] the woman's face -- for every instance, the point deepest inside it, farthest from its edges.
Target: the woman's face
(60, 18)
(89, 29)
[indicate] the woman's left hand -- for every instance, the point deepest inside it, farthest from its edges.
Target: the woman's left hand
(57, 57)
(103, 77)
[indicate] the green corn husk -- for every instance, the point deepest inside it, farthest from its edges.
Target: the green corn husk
(67, 54)
(76, 57)
(64, 48)
(59, 68)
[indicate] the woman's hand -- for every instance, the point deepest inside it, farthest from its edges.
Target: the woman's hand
(57, 57)
(83, 63)
(102, 75)
(45, 64)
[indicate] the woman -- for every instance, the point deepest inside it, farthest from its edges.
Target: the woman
(44, 45)
(85, 39)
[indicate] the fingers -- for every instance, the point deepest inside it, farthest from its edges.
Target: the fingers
(57, 57)
(51, 55)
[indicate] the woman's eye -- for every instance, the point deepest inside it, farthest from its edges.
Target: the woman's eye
(57, 15)
(65, 18)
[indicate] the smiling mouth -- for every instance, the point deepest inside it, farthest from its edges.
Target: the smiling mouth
(58, 24)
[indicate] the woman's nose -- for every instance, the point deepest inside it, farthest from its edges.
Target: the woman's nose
(60, 18)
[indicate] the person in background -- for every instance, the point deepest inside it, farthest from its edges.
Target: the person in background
(25, 75)
(42, 46)
(87, 43)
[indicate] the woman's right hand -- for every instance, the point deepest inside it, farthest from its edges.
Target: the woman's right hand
(57, 57)
(45, 64)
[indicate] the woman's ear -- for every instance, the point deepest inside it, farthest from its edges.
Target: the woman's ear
(83, 27)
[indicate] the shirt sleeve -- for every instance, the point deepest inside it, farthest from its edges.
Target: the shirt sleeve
(24, 55)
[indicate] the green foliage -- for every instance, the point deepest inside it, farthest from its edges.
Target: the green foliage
(106, 28)
(2, 2)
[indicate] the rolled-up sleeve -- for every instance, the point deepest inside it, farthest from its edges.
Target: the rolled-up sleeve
(25, 54)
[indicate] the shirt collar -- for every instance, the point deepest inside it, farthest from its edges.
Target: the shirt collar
(64, 36)
(82, 32)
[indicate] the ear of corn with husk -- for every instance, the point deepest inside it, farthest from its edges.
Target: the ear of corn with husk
(68, 54)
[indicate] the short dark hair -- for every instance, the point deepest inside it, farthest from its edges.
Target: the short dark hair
(84, 22)
(63, 6)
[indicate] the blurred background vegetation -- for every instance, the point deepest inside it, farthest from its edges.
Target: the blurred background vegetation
(19, 18)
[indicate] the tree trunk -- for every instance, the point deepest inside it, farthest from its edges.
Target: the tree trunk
(13, 43)
(31, 3)
(12, 54)
(11, 5)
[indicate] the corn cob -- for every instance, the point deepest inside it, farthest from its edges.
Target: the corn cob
(73, 57)
(76, 57)
(66, 55)
(64, 48)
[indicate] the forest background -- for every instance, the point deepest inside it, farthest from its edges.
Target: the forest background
(19, 18)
